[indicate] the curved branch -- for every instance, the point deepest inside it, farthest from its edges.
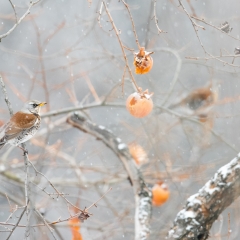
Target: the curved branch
(19, 20)
(143, 196)
(176, 73)
(195, 220)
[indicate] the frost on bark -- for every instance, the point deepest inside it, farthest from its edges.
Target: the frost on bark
(195, 220)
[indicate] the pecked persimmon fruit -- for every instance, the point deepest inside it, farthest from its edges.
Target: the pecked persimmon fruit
(139, 104)
(160, 194)
(143, 62)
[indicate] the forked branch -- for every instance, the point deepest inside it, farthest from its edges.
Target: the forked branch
(143, 196)
(31, 4)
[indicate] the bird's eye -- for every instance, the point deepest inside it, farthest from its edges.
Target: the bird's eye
(35, 105)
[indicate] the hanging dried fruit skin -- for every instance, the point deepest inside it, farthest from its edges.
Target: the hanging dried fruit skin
(143, 62)
(160, 194)
(139, 104)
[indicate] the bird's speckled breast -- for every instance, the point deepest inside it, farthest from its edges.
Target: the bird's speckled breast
(26, 134)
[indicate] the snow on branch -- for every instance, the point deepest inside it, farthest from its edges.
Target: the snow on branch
(195, 220)
(143, 196)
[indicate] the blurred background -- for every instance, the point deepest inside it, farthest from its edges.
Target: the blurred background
(67, 54)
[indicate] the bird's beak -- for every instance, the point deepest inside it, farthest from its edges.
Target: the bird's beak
(149, 53)
(42, 104)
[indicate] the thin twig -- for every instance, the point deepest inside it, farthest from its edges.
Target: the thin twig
(155, 17)
(104, 104)
(176, 74)
(195, 27)
(11, 208)
(20, 20)
(19, 219)
(143, 196)
(94, 204)
(16, 20)
(123, 78)
(100, 15)
(121, 45)
(211, 25)
(26, 186)
(46, 224)
(26, 160)
(6, 96)
(133, 25)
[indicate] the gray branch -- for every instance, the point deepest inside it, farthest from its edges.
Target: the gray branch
(19, 219)
(19, 20)
(6, 96)
(26, 160)
(195, 220)
(143, 196)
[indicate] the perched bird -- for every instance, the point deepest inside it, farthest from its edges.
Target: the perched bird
(198, 102)
(22, 125)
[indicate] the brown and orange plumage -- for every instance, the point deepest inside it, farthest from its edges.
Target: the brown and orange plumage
(20, 121)
(198, 99)
(22, 125)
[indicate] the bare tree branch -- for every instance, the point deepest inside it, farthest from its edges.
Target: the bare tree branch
(13, 7)
(195, 27)
(132, 22)
(143, 196)
(195, 220)
(155, 18)
(19, 219)
(121, 45)
(6, 96)
(46, 223)
(26, 160)
(19, 20)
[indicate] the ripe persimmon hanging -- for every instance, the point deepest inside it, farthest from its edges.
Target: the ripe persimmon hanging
(139, 104)
(138, 154)
(143, 62)
(160, 194)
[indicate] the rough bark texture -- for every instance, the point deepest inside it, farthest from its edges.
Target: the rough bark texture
(195, 220)
(143, 196)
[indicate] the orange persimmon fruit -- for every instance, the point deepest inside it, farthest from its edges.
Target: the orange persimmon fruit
(139, 104)
(74, 224)
(143, 62)
(160, 194)
(138, 154)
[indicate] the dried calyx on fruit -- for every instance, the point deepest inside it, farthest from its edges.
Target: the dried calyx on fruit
(143, 62)
(140, 104)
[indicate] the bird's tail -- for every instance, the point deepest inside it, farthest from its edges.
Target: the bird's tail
(2, 145)
(2, 142)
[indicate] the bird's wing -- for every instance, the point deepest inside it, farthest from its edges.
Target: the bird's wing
(2, 130)
(2, 134)
(18, 122)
